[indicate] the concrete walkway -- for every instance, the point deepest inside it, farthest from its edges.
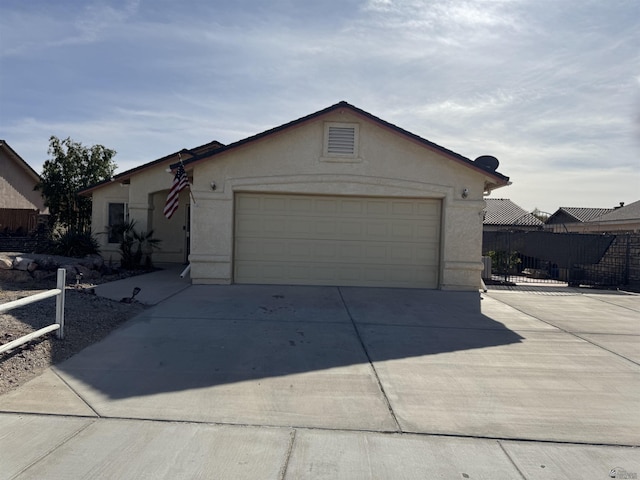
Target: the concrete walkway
(154, 287)
(324, 382)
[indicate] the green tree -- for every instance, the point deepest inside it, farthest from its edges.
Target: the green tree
(72, 168)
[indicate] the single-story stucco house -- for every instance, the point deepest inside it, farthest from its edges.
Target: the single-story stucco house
(338, 197)
(623, 219)
(573, 219)
(20, 203)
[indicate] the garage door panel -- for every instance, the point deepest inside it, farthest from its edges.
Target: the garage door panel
(248, 204)
(248, 225)
(426, 256)
(427, 231)
(377, 230)
(273, 204)
(336, 240)
(340, 274)
(350, 229)
(403, 208)
(382, 253)
(352, 208)
(327, 207)
(266, 272)
(327, 228)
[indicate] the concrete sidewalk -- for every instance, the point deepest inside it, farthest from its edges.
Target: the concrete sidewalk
(154, 287)
(326, 382)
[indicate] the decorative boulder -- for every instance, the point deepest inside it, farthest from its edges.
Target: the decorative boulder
(15, 276)
(6, 263)
(39, 275)
(22, 263)
(94, 262)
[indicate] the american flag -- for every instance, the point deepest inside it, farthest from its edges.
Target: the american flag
(180, 181)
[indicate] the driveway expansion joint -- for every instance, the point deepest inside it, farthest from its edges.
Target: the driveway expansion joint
(373, 368)
(285, 466)
(76, 392)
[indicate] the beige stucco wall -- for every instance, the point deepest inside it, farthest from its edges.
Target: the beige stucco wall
(291, 162)
(111, 193)
(145, 195)
(16, 186)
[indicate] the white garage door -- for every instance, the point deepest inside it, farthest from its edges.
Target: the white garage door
(321, 240)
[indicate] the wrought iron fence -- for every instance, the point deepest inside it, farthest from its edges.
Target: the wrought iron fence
(570, 258)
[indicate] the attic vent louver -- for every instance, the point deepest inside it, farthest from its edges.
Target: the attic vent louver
(341, 141)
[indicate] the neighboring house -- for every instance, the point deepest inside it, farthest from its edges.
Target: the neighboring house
(572, 219)
(20, 204)
(339, 197)
(503, 214)
(623, 219)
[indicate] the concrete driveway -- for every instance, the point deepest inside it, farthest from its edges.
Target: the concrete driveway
(326, 382)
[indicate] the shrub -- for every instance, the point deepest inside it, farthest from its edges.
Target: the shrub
(135, 247)
(504, 262)
(73, 244)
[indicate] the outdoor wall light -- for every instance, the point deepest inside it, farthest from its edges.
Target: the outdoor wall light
(213, 185)
(465, 193)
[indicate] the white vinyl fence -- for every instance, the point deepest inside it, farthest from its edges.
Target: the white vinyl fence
(57, 292)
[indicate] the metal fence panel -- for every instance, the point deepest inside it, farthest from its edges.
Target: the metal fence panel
(574, 258)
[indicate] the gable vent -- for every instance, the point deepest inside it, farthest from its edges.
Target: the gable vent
(341, 141)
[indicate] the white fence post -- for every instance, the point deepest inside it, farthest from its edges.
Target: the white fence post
(62, 276)
(59, 325)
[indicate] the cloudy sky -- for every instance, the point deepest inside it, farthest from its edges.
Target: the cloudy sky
(550, 87)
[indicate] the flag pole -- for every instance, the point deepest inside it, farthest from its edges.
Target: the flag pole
(190, 192)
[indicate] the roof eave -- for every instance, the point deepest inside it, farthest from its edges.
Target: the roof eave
(124, 176)
(499, 180)
(21, 161)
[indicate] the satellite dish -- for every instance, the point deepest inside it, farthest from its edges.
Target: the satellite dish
(488, 162)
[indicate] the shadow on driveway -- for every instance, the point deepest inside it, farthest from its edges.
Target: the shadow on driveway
(209, 336)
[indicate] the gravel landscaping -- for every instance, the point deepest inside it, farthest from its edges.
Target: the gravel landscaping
(88, 319)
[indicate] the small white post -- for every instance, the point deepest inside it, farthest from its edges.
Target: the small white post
(185, 271)
(62, 276)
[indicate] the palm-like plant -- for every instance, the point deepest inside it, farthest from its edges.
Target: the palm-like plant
(136, 247)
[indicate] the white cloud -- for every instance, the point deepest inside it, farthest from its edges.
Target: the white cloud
(33, 30)
(550, 88)
(99, 17)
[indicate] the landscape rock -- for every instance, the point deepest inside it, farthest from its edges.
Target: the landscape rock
(93, 262)
(86, 273)
(71, 272)
(22, 263)
(47, 262)
(23, 268)
(16, 276)
(40, 275)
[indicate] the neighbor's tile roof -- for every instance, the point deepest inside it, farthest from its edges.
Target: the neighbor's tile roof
(628, 212)
(502, 211)
(584, 214)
